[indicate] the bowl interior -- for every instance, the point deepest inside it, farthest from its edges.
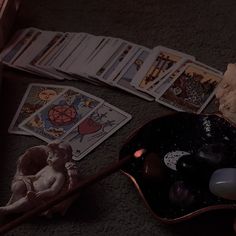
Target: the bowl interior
(170, 192)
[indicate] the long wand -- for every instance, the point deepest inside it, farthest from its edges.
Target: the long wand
(71, 193)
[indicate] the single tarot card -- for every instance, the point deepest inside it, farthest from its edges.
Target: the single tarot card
(160, 62)
(35, 97)
(192, 89)
(125, 78)
(60, 116)
(96, 128)
(18, 43)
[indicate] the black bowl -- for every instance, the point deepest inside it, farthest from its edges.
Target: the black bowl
(171, 196)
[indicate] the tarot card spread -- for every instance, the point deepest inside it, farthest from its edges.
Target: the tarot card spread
(192, 89)
(61, 115)
(146, 73)
(52, 112)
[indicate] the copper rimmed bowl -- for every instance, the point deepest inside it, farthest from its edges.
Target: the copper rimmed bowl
(170, 193)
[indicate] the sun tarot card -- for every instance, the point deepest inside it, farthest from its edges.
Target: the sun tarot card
(160, 62)
(192, 89)
(56, 119)
(36, 96)
(96, 128)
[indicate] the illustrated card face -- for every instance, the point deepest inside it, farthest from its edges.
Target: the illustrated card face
(61, 115)
(160, 62)
(192, 89)
(36, 96)
(102, 123)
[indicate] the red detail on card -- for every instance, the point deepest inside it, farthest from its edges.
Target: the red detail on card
(62, 115)
(89, 126)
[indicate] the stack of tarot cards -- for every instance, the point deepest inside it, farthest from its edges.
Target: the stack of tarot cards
(170, 77)
(53, 112)
(8, 10)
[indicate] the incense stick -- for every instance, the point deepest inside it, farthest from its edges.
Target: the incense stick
(71, 193)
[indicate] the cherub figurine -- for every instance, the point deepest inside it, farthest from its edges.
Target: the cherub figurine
(42, 173)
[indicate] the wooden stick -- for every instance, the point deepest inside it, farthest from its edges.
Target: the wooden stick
(71, 193)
